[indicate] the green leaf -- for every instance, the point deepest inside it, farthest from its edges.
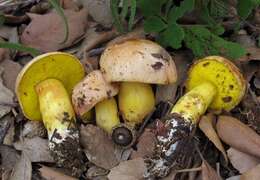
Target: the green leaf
(20, 47)
(60, 11)
(204, 43)
(178, 12)
(150, 7)
(116, 16)
(172, 36)
(132, 14)
(154, 24)
(245, 7)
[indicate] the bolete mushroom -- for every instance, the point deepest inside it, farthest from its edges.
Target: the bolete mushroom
(136, 64)
(95, 90)
(43, 89)
(213, 82)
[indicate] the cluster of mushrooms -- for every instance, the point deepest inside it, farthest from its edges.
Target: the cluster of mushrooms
(53, 88)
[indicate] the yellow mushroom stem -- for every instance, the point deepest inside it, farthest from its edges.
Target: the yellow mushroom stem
(136, 100)
(59, 119)
(195, 103)
(107, 114)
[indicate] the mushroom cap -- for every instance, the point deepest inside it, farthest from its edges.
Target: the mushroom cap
(56, 65)
(138, 60)
(91, 90)
(228, 80)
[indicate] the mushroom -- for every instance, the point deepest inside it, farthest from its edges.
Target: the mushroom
(95, 90)
(213, 83)
(136, 64)
(43, 89)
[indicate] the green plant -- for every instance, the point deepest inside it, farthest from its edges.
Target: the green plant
(162, 17)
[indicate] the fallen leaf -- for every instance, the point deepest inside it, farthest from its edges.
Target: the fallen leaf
(11, 70)
(93, 37)
(46, 32)
(168, 92)
(208, 173)
(36, 147)
(100, 11)
(9, 136)
(253, 174)
(98, 147)
(50, 174)
(6, 31)
(128, 170)
(206, 126)
(96, 172)
(242, 161)
(9, 157)
(5, 123)
(234, 178)
(146, 144)
(33, 128)
(70, 4)
(253, 53)
(4, 53)
(238, 135)
(6, 97)
(22, 169)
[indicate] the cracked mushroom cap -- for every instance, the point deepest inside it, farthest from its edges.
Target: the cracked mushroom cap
(224, 75)
(138, 60)
(55, 65)
(91, 90)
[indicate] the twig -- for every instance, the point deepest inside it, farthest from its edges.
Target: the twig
(189, 170)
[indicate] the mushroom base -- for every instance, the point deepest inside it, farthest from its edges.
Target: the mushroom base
(66, 150)
(171, 138)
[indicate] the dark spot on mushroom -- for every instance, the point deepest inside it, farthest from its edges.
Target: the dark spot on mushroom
(217, 75)
(205, 64)
(162, 55)
(227, 99)
(109, 93)
(96, 89)
(231, 86)
(157, 65)
(27, 32)
(25, 93)
(81, 100)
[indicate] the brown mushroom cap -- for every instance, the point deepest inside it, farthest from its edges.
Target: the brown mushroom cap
(138, 60)
(91, 90)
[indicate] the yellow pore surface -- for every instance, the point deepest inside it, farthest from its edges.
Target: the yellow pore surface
(55, 105)
(107, 114)
(224, 75)
(61, 66)
(136, 100)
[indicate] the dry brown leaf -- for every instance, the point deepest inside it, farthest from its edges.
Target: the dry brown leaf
(242, 161)
(11, 70)
(253, 174)
(93, 37)
(238, 135)
(22, 169)
(208, 173)
(6, 97)
(9, 157)
(37, 148)
(9, 136)
(46, 32)
(70, 4)
(96, 172)
(234, 178)
(98, 147)
(99, 11)
(128, 170)
(253, 53)
(50, 174)
(206, 125)
(32, 129)
(145, 145)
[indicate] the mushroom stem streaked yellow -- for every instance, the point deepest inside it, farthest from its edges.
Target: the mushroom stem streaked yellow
(55, 106)
(136, 100)
(107, 114)
(195, 103)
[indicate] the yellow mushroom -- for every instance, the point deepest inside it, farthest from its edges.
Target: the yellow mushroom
(213, 83)
(136, 64)
(43, 89)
